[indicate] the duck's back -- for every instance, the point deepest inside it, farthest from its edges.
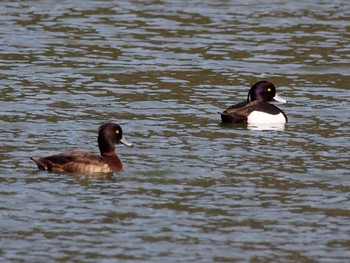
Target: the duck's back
(73, 162)
(235, 113)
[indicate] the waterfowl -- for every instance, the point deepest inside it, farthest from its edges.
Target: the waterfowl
(109, 135)
(256, 109)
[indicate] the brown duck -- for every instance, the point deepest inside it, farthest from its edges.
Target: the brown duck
(109, 135)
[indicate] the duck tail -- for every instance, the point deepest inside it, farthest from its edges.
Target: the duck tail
(41, 163)
(224, 116)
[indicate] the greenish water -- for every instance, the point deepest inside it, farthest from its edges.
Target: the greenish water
(194, 190)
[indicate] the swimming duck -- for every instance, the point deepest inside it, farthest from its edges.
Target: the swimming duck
(109, 135)
(256, 109)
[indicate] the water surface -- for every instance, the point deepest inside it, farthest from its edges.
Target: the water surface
(194, 190)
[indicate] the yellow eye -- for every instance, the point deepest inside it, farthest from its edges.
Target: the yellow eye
(117, 132)
(269, 89)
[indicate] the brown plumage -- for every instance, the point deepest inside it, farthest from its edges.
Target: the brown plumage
(109, 135)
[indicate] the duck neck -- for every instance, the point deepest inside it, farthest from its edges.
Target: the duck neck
(105, 146)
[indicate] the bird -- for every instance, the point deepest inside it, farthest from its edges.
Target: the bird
(256, 109)
(109, 134)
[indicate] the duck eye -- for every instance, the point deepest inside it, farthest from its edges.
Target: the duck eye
(117, 131)
(269, 89)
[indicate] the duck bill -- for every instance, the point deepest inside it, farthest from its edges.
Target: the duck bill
(279, 99)
(126, 142)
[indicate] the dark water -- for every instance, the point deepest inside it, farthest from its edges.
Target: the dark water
(193, 190)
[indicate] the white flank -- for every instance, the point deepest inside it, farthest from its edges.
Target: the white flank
(259, 117)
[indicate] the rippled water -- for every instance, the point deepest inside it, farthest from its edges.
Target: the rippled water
(194, 190)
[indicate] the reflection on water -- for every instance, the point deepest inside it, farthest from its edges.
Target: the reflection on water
(267, 127)
(193, 189)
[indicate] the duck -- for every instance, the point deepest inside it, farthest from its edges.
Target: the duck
(109, 134)
(257, 110)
